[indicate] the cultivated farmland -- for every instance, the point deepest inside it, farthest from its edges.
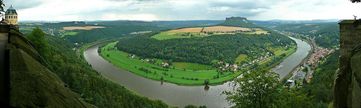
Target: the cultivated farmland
(207, 31)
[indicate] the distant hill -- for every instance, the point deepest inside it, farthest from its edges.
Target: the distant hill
(238, 22)
(325, 34)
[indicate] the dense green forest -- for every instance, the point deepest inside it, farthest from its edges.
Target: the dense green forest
(325, 34)
(113, 29)
(82, 79)
(203, 50)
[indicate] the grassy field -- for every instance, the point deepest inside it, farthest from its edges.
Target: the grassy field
(69, 33)
(191, 66)
(279, 50)
(193, 75)
(206, 31)
(175, 35)
(240, 58)
(257, 31)
(181, 73)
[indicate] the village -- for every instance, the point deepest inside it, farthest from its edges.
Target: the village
(221, 66)
(304, 73)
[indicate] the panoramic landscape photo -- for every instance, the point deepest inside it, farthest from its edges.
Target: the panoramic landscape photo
(180, 53)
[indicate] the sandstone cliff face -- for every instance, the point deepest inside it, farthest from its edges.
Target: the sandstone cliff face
(347, 85)
(356, 79)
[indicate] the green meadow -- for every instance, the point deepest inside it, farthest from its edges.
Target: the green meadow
(180, 73)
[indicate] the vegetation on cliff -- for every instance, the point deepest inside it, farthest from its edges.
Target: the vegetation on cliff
(82, 79)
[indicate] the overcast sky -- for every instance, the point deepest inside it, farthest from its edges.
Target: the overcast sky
(149, 10)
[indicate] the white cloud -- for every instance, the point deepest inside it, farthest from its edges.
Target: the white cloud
(183, 9)
(143, 17)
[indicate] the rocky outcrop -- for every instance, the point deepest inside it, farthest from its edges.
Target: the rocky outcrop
(238, 22)
(347, 90)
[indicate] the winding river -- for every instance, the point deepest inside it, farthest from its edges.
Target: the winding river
(181, 96)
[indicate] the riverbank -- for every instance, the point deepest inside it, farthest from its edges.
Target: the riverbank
(155, 72)
(288, 65)
(172, 94)
(312, 45)
(179, 76)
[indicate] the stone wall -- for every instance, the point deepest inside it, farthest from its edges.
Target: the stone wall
(347, 88)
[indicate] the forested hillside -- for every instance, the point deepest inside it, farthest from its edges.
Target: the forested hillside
(82, 79)
(325, 34)
(203, 50)
(112, 29)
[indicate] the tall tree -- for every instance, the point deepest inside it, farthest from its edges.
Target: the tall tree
(255, 90)
(262, 90)
(37, 37)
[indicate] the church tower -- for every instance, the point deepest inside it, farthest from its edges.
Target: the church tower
(11, 16)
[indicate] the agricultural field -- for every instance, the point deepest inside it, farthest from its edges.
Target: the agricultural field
(226, 29)
(206, 31)
(194, 74)
(69, 33)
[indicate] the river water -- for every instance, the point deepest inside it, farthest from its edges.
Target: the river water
(287, 65)
(181, 96)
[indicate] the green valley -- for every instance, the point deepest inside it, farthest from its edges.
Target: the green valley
(198, 56)
(180, 73)
(180, 54)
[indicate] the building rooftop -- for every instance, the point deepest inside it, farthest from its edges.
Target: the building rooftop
(11, 11)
